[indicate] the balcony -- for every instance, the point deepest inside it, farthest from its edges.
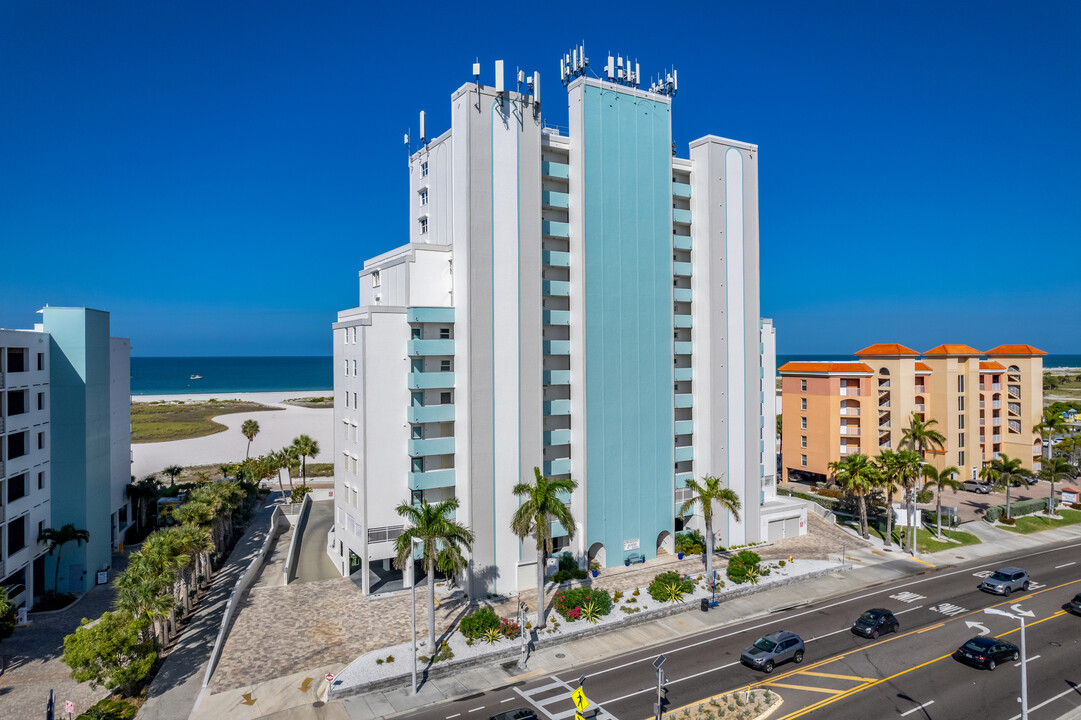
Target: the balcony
(850, 430)
(682, 190)
(996, 421)
(555, 258)
(429, 314)
(431, 446)
(557, 377)
(553, 228)
(430, 380)
(683, 454)
(683, 321)
(1014, 391)
(681, 269)
(682, 478)
(561, 466)
(557, 437)
(996, 404)
(560, 288)
(557, 317)
(996, 386)
(850, 412)
(996, 438)
(425, 348)
(681, 242)
(682, 294)
(681, 216)
(557, 347)
(684, 427)
(981, 404)
(850, 392)
(432, 479)
(557, 407)
(684, 374)
(550, 198)
(919, 407)
(430, 413)
(849, 450)
(684, 400)
(884, 405)
(683, 347)
(556, 170)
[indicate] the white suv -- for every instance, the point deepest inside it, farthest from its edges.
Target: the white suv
(1005, 580)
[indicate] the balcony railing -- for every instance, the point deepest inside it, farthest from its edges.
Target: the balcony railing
(431, 446)
(432, 479)
(430, 413)
(423, 348)
(683, 454)
(681, 242)
(996, 404)
(430, 380)
(557, 437)
(850, 430)
(557, 377)
(850, 412)
(684, 400)
(850, 392)
(682, 190)
(919, 407)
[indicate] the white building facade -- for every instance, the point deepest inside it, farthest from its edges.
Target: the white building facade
(582, 302)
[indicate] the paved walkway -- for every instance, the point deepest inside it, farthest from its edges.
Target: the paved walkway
(313, 563)
(176, 687)
(31, 656)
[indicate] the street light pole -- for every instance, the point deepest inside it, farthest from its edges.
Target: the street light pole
(522, 633)
(1021, 615)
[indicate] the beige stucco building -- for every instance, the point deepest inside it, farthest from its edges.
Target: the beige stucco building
(984, 403)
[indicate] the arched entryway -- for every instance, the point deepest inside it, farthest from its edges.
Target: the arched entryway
(665, 543)
(597, 554)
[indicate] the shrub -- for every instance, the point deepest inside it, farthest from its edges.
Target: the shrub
(1021, 507)
(390, 658)
(379, 661)
(509, 628)
(562, 576)
(1076, 506)
(670, 587)
(109, 709)
(1008, 521)
(830, 493)
(567, 562)
(298, 493)
(925, 495)
(570, 603)
(743, 567)
(618, 596)
(690, 542)
(476, 625)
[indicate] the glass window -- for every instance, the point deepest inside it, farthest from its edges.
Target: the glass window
(444, 398)
(803, 441)
(424, 169)
(803, 460)
(424, 197)
(444, 366)
(803, 385)
(424, 226)
(444, 333)
(803, 403)
(414, 333)
(803, 423)
(417, 432)
(41, 401)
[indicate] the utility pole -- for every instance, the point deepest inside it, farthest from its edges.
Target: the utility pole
(522, 633)
(657, 708)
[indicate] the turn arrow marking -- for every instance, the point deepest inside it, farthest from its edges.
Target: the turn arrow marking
(248, 699)
(1016, 607)
(983, 628)
(304, 686)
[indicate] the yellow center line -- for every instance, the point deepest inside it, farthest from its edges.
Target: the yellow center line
(933, 627)
(805, 687)
(839, 677)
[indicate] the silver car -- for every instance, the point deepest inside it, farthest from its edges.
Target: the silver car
(772, 650)
(1005, 580)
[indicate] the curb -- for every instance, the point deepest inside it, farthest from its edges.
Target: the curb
(447, 668)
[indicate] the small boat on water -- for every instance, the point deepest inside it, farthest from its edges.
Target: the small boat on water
(196, 377)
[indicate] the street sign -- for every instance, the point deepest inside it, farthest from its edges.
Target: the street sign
(579, 716)
(330, 678)
(69, 706)
(580, 700)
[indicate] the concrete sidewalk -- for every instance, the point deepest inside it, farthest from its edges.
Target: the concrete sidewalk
(176, 687)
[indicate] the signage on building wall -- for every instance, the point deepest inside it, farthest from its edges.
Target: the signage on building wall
(631, 544)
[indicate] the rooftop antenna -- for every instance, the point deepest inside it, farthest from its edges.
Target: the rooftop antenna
(536, 94)
(476, 79)
(423, 133)
(573, 64)
(499, 89)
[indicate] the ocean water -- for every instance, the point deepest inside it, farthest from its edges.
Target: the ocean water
(173, 376)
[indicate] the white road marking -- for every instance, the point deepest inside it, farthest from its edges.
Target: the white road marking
(1028, 660)
(918, 707)
(475, 709)
(907, 597)
(1059, 567)
(1048, 701)
(453, 716)
(507, 700)
(948, 609)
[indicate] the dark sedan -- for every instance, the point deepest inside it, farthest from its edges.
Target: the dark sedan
(516, 714)
(987, 652)
(1074, 605)
(875, 622)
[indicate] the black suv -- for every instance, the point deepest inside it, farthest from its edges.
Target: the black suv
(516, 714)
(875, 622)
(986, 652)
(1074, 605)
(773, 649)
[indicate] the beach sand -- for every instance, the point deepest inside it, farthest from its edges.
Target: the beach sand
(277, 428)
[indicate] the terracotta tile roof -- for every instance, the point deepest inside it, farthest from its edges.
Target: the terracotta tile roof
(1015, 350)
(953, 350)
(984, 365)
(885, 349)
(921, 367)
(836, 368)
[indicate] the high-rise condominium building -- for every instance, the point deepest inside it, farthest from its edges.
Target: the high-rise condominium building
(65, 449)
(577, 300)
(983, 403)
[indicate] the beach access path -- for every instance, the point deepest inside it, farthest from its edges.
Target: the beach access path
(277, 428)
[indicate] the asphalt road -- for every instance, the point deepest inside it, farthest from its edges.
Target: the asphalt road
(910, 673)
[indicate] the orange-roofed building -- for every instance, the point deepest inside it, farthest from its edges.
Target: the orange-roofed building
(983, 407)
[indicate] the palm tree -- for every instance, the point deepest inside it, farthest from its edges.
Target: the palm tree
(172, 471)
(941, 480)
(707, 492)
(1055, 470)
(857, 475)
(1002, 472)
(291, 460)
(920, 436)
(1051, 424)
(305, 447)
(540, 505)
(441, 539)
(57, 539)
(279, 460)
(249, 428)
(142, 591)
(891, 469)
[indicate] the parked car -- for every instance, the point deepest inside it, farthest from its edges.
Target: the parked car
(516, 714)
(977, 486)
(875, 622)
(772, 650)
(1074, 605)
(1005, 580)
(987, 652)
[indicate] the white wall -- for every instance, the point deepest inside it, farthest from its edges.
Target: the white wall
(430, 283)
(119, 423)
(439, 185)
(769, 408)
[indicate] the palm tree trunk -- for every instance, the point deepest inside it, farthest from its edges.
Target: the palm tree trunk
(709, 549)
(247, 452)
(863, 517)
(431, 606)
(889, 520)
(56, 572)
(540, 584)
(938, 511)
(1008, 499)
(1051, 500)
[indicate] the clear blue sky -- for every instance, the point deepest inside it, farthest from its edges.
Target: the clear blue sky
(215, 173)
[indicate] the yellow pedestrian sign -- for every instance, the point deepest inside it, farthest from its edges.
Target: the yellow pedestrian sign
(578, 716)
(580, 700)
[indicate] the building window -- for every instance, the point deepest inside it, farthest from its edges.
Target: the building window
(803, 386)
(355, 401)
(960, 422)
(375, 279)
(16, 535)
(961, 458)
(354, 368)
(423, 197)
(444, 366)
(803, 423)
(444, 398)
(41, 441)
(346, 367)
(424, 169)
(41, 361)
(960, 383)
(347, 399)
(414, 333)
(960, 404)
(803, 460)
(41, 481)
(41, 401)
(424, 226)
(444, 333)
(960, 440)
(417, 464)
(16, 487)
(417, 432)
(803, 403)
(803, 441)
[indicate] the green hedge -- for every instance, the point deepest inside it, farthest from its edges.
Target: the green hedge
(1021, 507)
(826, 502)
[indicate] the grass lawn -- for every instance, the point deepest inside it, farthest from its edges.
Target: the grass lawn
(1035, 523)
(926, 540)
(179, 420)
(326, 401)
